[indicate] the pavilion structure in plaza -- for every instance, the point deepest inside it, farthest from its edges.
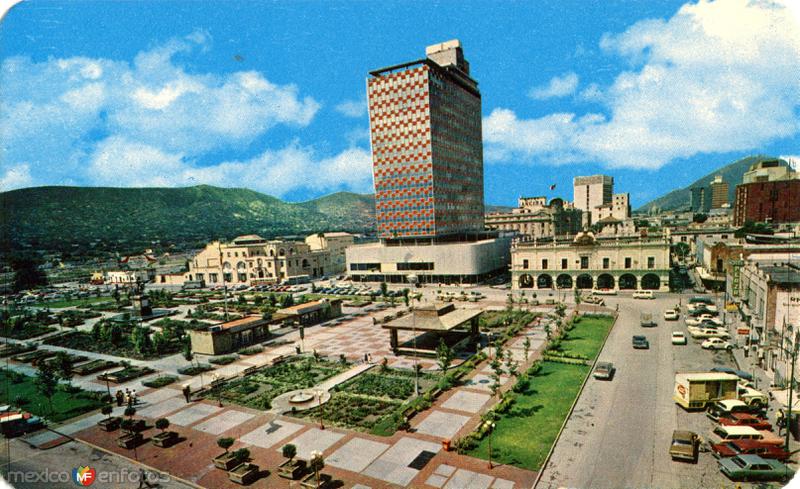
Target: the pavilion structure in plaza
(433, 322)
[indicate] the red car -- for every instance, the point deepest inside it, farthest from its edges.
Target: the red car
(745, 419)
(749, 447)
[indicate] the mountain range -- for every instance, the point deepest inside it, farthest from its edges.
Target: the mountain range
(681, 199)
(73, 218)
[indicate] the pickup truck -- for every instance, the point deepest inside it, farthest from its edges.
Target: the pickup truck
(647, 321)
(684, 446)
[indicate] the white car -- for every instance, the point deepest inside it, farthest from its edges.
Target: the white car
(671, 315)
(643, 294)
(708, 333)
(703, 318)
(716, 344)
(678, 338)
(692, 307)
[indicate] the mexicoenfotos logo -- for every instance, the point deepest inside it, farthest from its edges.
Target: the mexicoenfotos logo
(83, 476)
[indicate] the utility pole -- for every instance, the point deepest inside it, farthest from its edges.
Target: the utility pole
(788, 418)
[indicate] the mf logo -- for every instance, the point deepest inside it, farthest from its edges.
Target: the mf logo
(83, 476)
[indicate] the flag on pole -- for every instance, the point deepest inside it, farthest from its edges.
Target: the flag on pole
(553, 186)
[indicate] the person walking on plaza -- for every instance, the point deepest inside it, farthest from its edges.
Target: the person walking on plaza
(780, 421)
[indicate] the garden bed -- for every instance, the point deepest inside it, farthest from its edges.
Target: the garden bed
(94, 366)
(222, 360)
(258, 388)
(160, 381)
(24, 332)
(352, 411)
(13, 349)
(128, 373)
(66, 402)
(195, 369)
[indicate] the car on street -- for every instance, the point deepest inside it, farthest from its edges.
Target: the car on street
(718, 409)
(716, 344)
(643, 294)
(604, 292)
(685, 445)
(752, 397)
(603, 371)
(595, 300)
(745, 419)
(703, 318)
(754, 468)
(640, 342)
(678, 338)
(749, 447)
(704, 333)
(740, 373)
(671, 315)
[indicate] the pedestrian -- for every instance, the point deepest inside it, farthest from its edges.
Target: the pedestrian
(780, 420)
(120, 398)
(133, 396)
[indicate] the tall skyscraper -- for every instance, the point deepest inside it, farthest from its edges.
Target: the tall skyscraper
(427, 151)
(719, 192)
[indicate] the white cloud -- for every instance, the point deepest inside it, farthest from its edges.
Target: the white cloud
(124, 163)
(352, 108)
(53, 112)
(559, 86)
(17, 176)
(718, 76)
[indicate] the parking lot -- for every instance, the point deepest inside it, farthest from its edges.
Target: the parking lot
(620, 432)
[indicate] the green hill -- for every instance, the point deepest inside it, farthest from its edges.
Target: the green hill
(681, 199)
(60, 218)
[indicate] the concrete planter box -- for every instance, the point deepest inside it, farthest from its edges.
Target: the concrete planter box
(165, 439)
(244, 474)
(226, 461)
(130, 440)
(310, 481)
(292, 469)
(109, 424)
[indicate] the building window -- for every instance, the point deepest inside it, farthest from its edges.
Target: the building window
(606, 263)
(584, 262)
(525, 264)
(627, 262)
(651, 262)
(242, 277)
(544, 264)
(564, 264)
(199, 277)
(212, 277)
(402, 267)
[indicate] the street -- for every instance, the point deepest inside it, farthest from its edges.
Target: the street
(620, 431)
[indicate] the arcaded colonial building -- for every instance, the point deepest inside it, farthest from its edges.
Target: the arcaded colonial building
(589, 261)
(253, 260)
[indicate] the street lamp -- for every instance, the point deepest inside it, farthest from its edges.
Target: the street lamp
(108, 387)
(491, 430)
(214, 379)
(315, 457)
(319, 400)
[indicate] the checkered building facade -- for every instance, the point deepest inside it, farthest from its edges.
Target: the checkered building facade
(427, 153)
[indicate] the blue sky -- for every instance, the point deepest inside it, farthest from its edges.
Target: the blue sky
(271, 95)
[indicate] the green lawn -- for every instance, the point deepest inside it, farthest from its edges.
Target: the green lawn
(524, 435)
(586, 337)
(65, 404)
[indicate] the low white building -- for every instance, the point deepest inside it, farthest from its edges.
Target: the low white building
(454, 262)
(335, 243)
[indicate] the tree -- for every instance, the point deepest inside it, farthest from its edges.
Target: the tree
(242, 454)
(225, 443)
(27, 274)
(700, 218)
(384, 289)
(444, 355)
(162, 424)
(63, 364)
(526, 346)
(140, 340)
(548, 330)
(187, 351)
(289, 451)
(47, 382)
(681, 249)
(107, 410)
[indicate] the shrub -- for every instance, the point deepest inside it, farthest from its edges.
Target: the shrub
(289, 451)
(160, 381)
(251, 350)
(20, 400)
(225, 443)
(107, 409)
(242, 454)
(223, 360)
(162, 424)
(195, 369)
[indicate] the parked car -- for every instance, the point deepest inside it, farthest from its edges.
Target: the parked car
(685, 445)
(745, 419)
(718, 409)
(703, 333)
(699, 311)
(640, 342)
(752, 397)
(753, 467)
(678, 338)
(594, 300)
(749, 447)
(740, 373)
(603, 371)
(703, 318)
(716, 344)
(671, 315)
